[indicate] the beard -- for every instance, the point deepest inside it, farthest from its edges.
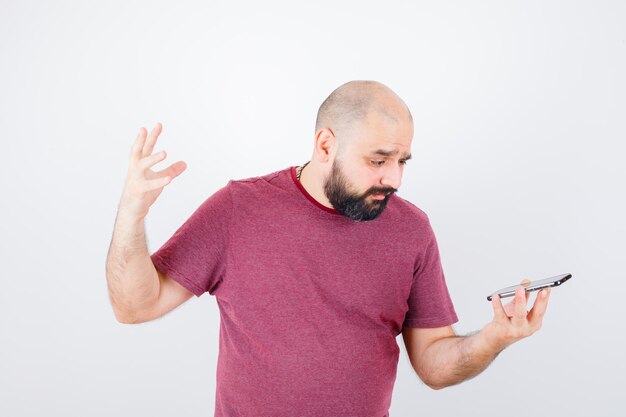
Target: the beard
(354, 206)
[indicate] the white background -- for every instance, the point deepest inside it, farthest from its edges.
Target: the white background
(519, 112)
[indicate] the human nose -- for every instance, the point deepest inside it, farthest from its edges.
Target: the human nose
(392, 177)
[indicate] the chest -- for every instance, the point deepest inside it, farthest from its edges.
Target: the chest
(333, 275)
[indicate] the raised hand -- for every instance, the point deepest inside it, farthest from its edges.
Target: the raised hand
(143, 186)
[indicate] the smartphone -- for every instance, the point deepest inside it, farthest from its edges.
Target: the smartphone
(533, 285)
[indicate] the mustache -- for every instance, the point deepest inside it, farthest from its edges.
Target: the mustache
(386, 191)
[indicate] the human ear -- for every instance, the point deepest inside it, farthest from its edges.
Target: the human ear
(325, 140)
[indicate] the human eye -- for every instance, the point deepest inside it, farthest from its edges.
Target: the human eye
(403, 161)
(377, 163)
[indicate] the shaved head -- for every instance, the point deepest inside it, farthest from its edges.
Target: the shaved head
(363, 136)
(352, 102)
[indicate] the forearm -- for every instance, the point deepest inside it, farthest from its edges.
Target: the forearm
(451, 360)
(455, 359)
(132, 279)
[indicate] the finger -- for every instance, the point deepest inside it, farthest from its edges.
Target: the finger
(535, 316)
(509, 308)
(525, 283)
(154, 184)
(136, 149)
(154, 134)
(173, 170)
(519, 312)
(151, 160)
(498, 310)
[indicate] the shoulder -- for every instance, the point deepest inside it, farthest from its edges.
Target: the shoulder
(261, 188)
(272, 176)
(275, 177)
(408, 210)
(407, 216)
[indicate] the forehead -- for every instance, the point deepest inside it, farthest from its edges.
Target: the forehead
(380, 134)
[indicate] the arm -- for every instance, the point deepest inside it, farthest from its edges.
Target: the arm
(441, 358)
(137, 290)
(135, 286)
(446, 359)
(132, 279)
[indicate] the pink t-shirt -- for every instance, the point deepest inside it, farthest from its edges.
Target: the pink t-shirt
(310, 302)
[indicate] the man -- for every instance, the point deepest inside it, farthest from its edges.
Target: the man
(316, 269)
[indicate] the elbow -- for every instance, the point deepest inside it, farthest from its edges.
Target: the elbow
(133, 317)
(434, 387)
(124, 317)
(125, 321)
(431, 382)
(127, 313)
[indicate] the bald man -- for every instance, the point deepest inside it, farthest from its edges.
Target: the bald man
(315, 268)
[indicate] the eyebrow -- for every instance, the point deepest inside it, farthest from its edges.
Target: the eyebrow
(384, 152)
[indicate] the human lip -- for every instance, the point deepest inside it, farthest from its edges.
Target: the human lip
(379, 196)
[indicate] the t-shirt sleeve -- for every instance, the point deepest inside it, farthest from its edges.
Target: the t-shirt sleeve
(429, 301)
(196, 255)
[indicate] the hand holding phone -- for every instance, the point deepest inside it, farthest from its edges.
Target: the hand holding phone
(532, 285)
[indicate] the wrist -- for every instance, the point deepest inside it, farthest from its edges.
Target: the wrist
(489, 340)
(130, 213)
(127, 220)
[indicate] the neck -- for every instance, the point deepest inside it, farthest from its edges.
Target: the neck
(312, 179)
